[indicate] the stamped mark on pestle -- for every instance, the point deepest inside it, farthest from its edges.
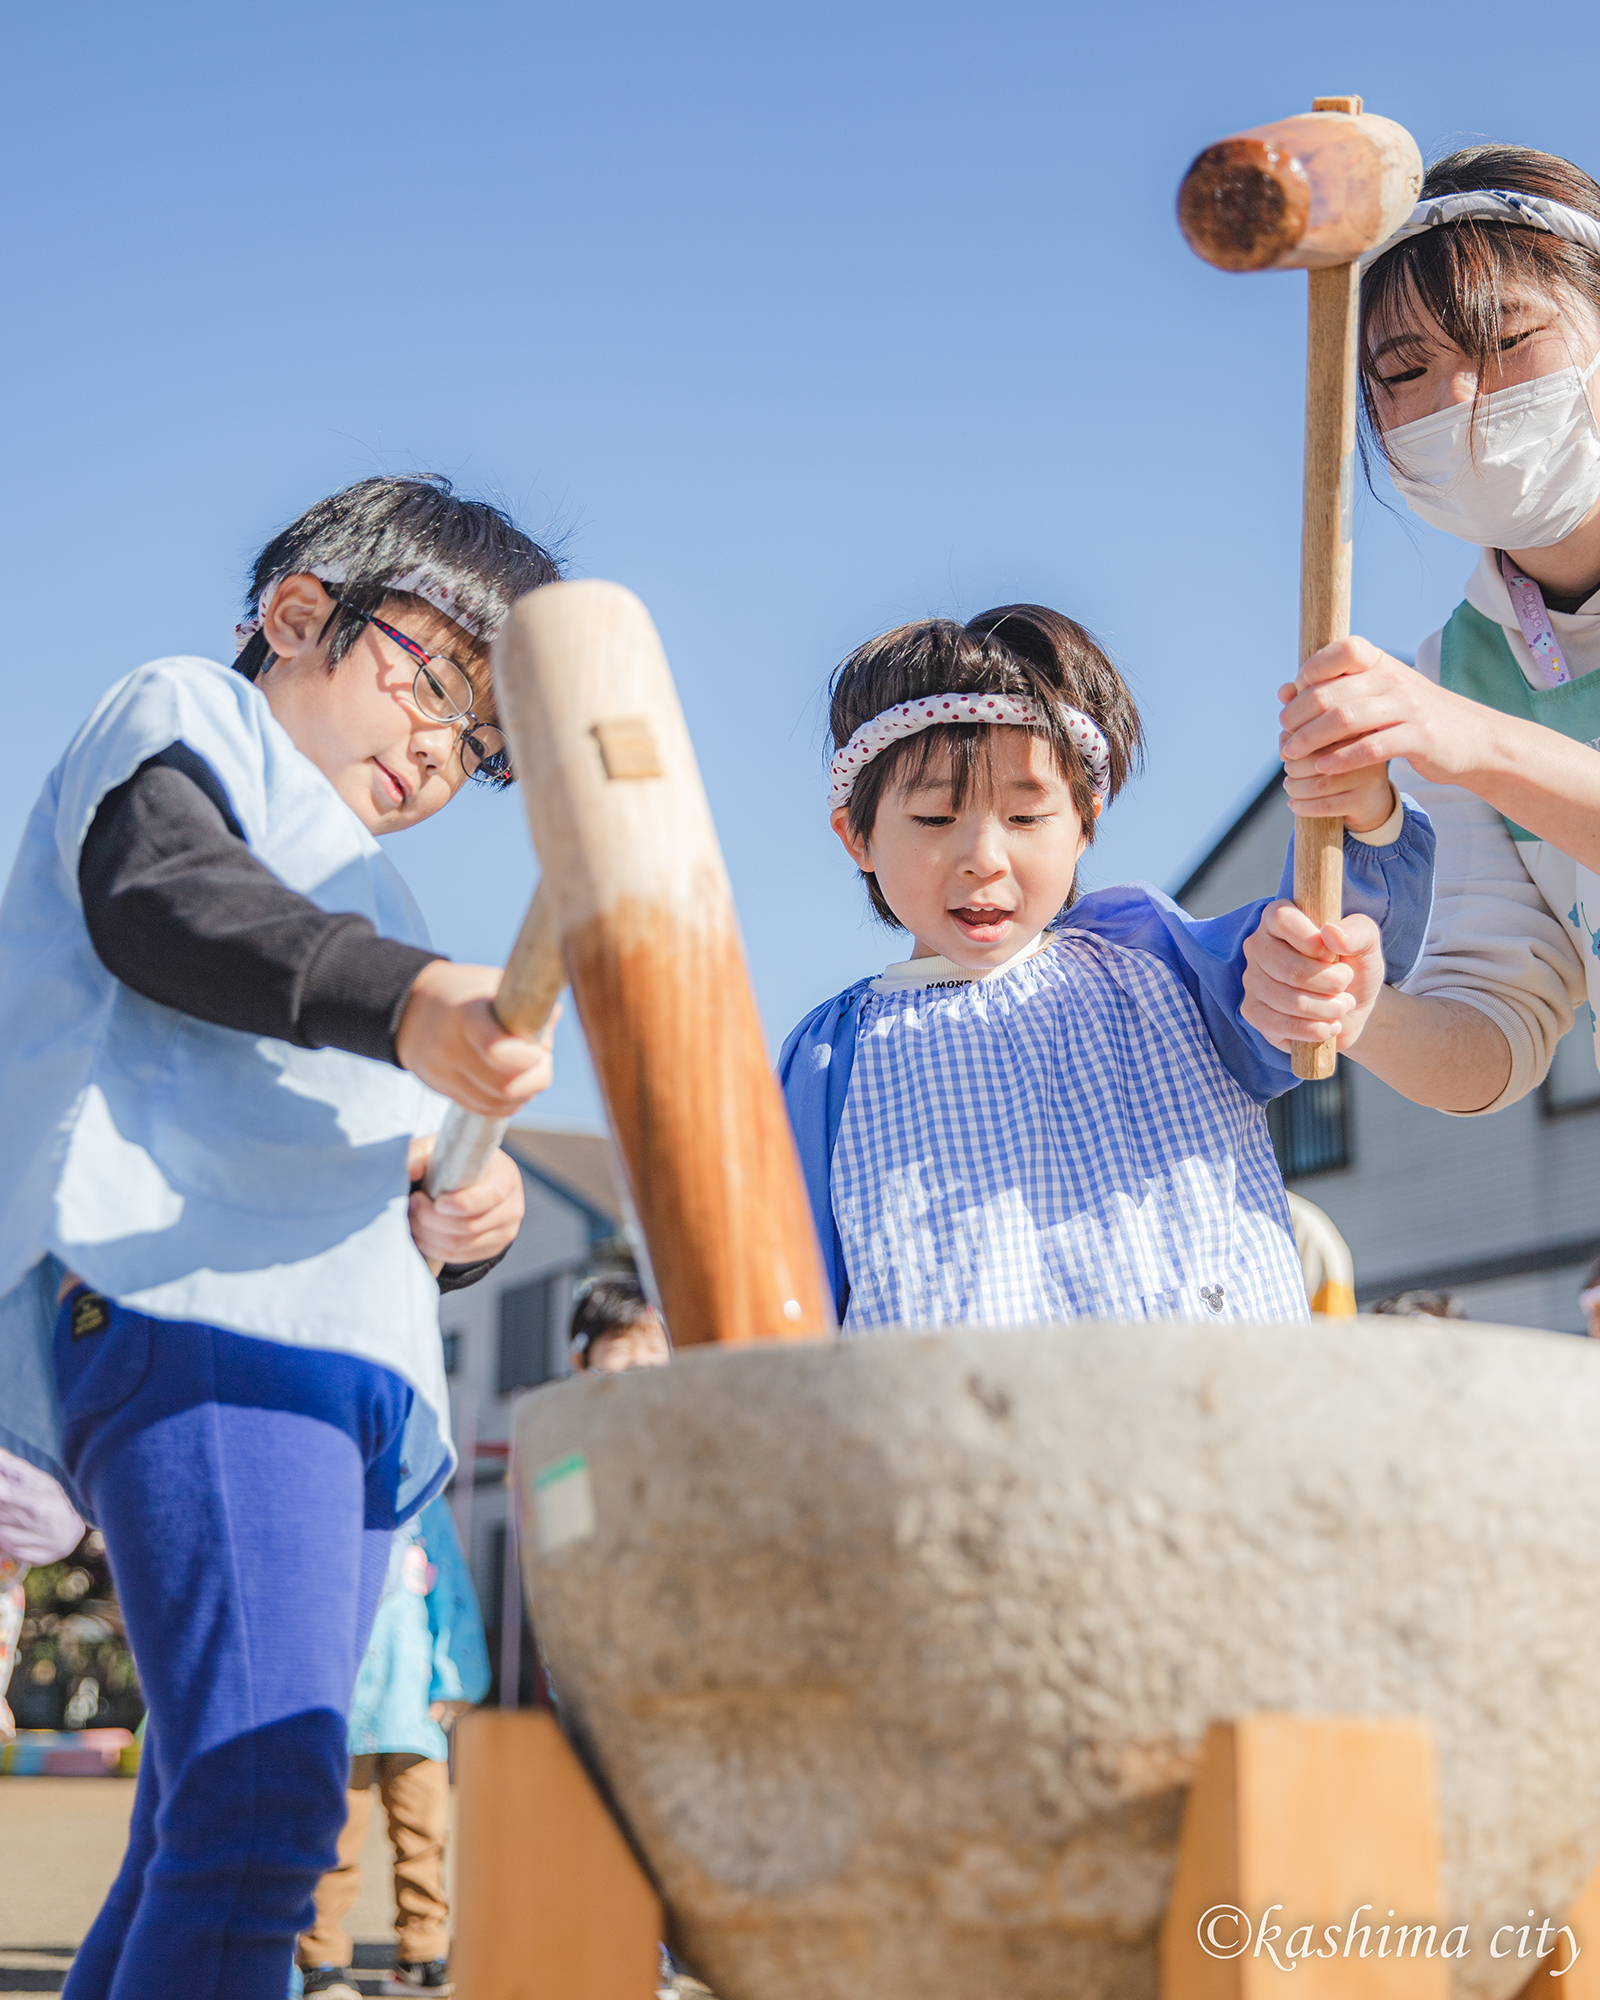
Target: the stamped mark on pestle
(563, 1503)
(628, 747)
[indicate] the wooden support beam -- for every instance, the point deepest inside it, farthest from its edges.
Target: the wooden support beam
(550, 1902)
(1318, 1816)
(1563, 1977)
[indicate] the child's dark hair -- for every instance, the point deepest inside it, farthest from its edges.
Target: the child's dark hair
(605, 1306)
(383, 528)
(1457, 274)
(1023, 649)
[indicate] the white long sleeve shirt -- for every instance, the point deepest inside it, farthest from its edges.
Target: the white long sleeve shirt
(1507, 934)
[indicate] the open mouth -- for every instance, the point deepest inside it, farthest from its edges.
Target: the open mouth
(984, 923)
(398, 789)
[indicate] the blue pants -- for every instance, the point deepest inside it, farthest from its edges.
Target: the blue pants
(245, 1490)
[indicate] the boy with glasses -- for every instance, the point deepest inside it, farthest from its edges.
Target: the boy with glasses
(222, 1032)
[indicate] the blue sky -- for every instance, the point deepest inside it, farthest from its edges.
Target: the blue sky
(800, 322)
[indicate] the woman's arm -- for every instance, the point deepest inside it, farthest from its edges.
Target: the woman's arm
(1354, 706)
(1493, 993)
(1439, 1052)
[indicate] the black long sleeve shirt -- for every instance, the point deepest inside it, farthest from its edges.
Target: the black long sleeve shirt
(178, 908)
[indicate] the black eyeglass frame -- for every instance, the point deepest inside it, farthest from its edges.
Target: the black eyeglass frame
(481, 772)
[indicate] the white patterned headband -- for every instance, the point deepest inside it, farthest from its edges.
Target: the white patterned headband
(1534, 211)
(415, 583)
(908, 717)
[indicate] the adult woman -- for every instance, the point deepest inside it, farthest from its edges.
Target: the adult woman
(1480, 357)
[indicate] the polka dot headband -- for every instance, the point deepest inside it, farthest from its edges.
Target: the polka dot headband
(907, 718)
(415, 583)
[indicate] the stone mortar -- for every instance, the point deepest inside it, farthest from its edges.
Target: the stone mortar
(896, 1654)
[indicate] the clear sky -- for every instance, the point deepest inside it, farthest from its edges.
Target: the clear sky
(799, 321)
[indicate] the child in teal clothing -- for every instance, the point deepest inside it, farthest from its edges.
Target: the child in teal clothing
(425, 1662)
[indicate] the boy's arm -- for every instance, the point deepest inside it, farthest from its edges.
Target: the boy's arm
(814, 1074)
(178, 908)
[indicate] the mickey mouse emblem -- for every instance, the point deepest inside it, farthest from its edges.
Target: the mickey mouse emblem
(1212, 1294)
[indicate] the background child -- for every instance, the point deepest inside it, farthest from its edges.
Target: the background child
(426, 1662)
(1053, 1108)
(219, 1018)
(614, 1326)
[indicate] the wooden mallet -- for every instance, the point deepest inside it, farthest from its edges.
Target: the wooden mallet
(1312, 194)
(635, 906)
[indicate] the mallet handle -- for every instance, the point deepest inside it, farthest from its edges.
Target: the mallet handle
(534, 977)
(624, 834)
(1325, 568)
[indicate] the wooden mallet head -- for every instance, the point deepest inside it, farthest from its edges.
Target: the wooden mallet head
(1303, 194)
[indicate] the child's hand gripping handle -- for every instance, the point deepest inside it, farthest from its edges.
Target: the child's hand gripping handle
(645, 912)
(534, 977)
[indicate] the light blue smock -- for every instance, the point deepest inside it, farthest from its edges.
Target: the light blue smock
(189, 1171)
(427, 1642)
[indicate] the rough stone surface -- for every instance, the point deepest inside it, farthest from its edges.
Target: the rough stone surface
(896, 1654)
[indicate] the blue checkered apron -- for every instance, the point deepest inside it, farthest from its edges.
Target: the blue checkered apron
(1060, 1142)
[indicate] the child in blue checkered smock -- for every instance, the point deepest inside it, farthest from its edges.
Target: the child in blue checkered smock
(1054, 1108)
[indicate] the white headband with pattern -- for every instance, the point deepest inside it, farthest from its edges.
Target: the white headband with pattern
(415, 583)
(1534, 211)
(908, 717)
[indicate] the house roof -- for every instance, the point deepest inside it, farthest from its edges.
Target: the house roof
(573, 1162)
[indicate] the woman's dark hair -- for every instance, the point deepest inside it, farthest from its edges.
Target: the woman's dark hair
(605, 1306)
(1022, 649)
(1458, 274)
(382, 528)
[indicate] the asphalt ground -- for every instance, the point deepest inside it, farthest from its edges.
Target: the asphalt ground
(61, 1841)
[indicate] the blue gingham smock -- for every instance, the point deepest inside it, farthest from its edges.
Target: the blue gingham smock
(1060, 1141)
(1081, 1134)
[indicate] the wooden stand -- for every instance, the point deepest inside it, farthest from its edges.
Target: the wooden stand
(1292, 1821)
(550, 1904)
(1562, 1977)
(1318, 1815)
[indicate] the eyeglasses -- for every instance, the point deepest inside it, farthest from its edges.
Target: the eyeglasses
(442, 693)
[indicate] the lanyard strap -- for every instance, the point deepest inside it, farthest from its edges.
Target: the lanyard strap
(1527, 600)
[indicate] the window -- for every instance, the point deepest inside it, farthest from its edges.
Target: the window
(533, 1333)
(1574, 1081)
(1310, 1126)
(452, 1353)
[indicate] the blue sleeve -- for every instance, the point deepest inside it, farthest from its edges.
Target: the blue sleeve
(1393, 885)
(1207, 954)
(460, 1653)
(814, 1073)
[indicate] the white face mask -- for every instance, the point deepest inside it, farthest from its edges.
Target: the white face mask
(1536, 472)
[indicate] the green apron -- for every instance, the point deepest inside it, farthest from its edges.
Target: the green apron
(1476, 660)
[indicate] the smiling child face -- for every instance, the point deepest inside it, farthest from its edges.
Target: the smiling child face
(978, 883)
(392, 765)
